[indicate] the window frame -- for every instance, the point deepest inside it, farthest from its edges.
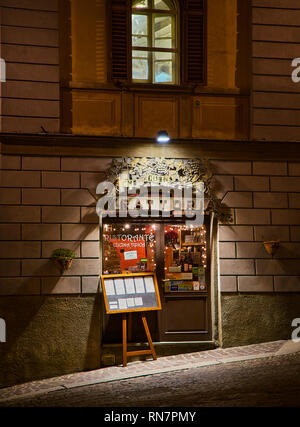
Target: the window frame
(151, 14)
(192, 47)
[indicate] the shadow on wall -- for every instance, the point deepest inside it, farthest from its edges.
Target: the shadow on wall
(48, 335)
(93, 344)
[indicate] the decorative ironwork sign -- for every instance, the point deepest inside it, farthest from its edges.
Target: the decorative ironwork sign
(141, 172)
(132, 172)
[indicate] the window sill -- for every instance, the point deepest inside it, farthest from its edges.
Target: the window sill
(195, 90)
(158, 88)
(148, 87)
(135, 87)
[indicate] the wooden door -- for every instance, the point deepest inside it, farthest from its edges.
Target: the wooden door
(186, 313)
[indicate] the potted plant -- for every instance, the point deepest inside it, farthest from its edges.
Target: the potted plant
(63, 258)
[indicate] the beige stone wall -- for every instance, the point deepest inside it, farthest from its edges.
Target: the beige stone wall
(264, 198)
(275, 43)
(29, 39)
(49, 203)
(54, 321)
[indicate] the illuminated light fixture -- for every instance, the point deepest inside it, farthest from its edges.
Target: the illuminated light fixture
(162, 137)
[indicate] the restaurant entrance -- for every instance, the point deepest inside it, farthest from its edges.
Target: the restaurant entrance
(178, 254)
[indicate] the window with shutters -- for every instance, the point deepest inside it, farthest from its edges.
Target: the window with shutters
(154, 47)
(157, 41)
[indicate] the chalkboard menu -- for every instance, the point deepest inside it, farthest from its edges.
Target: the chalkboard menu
(124, 293)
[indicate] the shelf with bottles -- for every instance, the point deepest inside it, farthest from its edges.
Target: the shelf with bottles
(193, 234)
(185, 262)
(192, 239)
(185, 274)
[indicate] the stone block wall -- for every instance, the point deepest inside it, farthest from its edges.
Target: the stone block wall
(53, 320)
(29, 44)
(49, 203)
(264, 198)
(274, 44)
(260, 294)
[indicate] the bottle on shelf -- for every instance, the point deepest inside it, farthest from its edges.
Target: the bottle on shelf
(190, 262)
(181, 263)
(185, 264)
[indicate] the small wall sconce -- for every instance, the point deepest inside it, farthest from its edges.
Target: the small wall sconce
(271, 246)
(162, 137)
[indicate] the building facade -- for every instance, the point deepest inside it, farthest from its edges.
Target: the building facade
(92, 82)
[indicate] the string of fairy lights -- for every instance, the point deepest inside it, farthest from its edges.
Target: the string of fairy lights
(199, 233)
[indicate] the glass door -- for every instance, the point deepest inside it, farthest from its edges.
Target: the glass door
(185, 284)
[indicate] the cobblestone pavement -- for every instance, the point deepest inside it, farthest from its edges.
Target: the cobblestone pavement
(257, 375)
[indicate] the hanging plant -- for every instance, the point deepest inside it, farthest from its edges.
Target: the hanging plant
(63, 258)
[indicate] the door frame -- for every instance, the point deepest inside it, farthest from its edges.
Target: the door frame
(208, 336)
(184, 336)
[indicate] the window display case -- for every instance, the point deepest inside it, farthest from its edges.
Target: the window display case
(128, 248)
(178, 255)
(185, 259)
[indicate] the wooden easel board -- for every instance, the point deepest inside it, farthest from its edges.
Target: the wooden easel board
(125, 293)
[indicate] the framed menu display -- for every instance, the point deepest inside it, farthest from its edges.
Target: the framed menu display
(125, 293)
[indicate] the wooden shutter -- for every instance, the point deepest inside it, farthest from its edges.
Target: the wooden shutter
(193, 41)
(118, 18)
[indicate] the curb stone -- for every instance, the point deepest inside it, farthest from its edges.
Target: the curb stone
(141, 369)
(288, 348)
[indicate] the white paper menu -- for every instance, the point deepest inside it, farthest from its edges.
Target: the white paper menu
(149, 283)
(113, 305)
(119, 285)
(109, 287)
(122, 303)
(139, 285)
(130, 302)
(129, 285)
(129, 255)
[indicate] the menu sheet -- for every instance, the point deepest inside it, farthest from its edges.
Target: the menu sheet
(126, 293)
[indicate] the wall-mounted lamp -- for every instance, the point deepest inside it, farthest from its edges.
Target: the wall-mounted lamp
(271, 246)
(162, 137)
